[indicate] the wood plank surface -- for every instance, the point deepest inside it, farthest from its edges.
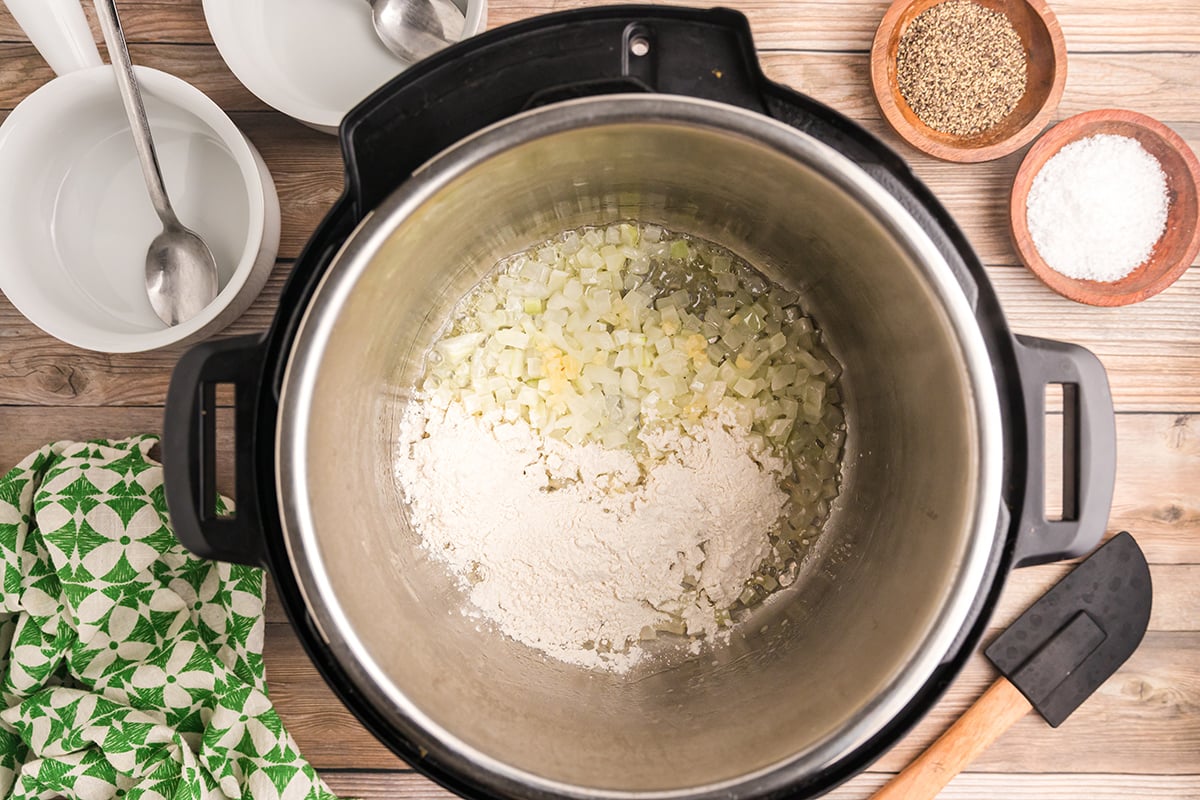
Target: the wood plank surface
(1154, 364)
(1163, 85)
(1121, 733)
(1151, 350)
(971, 786)
(1089, 25)
(1138, 738)
(1176, 595)
(1144, 720)
(1158, 467)
(21, 68)
(36, 369)
(307, 169)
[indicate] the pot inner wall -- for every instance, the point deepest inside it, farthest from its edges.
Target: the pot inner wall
(812, 663)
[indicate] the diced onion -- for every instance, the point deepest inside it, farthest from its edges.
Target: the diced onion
(592, 335)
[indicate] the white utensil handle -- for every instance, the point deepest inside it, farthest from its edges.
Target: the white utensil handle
(59, 30)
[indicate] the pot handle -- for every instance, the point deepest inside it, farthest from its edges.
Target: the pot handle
(189, 451)
(1089, 451)
(484, 79)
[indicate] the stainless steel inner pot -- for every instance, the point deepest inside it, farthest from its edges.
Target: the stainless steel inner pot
(883, 595)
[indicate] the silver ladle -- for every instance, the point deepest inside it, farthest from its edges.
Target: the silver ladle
(414, 29)
(181, 274)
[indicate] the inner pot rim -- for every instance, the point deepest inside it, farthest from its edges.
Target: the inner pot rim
(316, 327)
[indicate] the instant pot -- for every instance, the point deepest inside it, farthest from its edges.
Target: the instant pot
(664, 116)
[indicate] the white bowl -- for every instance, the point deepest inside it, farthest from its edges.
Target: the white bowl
(314, 60)
(75, 216)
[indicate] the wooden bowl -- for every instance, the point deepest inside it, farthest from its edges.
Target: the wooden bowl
(1046, 70)
(1180, 242)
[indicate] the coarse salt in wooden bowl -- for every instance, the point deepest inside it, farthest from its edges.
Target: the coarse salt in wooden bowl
(1175, 250)
(1046, 67)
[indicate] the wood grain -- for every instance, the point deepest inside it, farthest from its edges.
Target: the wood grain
(307, 167)
(1106, 25)
(142, 20)
(37, 369)
(1158, 470)
(988, 718)
(327, 733)
(1165, 86)
(1151, 350)
(1153, 364)
(1176, 595)
(1144, 720)
(22, 70)
(970, 786)
(1089, 25)
(1137, 739)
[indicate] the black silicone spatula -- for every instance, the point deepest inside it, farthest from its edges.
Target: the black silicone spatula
(1060, 651)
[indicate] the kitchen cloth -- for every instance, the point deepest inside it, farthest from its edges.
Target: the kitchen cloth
(128, 667)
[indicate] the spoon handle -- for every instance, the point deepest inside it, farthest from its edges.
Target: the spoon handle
(127, 82)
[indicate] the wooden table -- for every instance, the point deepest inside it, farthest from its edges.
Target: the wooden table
(1138, 737)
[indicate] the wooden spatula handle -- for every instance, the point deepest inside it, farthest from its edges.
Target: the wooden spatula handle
(983, 723)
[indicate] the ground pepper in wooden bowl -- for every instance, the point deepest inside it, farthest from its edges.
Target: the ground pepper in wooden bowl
(961, 67)
(968, 80)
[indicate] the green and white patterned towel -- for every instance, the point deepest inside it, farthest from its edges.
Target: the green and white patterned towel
(128, 667)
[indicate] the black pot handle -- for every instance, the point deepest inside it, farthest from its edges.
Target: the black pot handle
(1089, 451)
(189, 451)
(488, 78)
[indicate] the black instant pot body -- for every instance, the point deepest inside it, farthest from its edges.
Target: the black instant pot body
(492, 77)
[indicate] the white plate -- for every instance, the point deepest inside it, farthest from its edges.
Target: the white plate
(314, 60)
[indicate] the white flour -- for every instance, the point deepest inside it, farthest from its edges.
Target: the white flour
(575, 549)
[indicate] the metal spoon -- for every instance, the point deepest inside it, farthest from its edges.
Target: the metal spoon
(181, 274)
(414, 29)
